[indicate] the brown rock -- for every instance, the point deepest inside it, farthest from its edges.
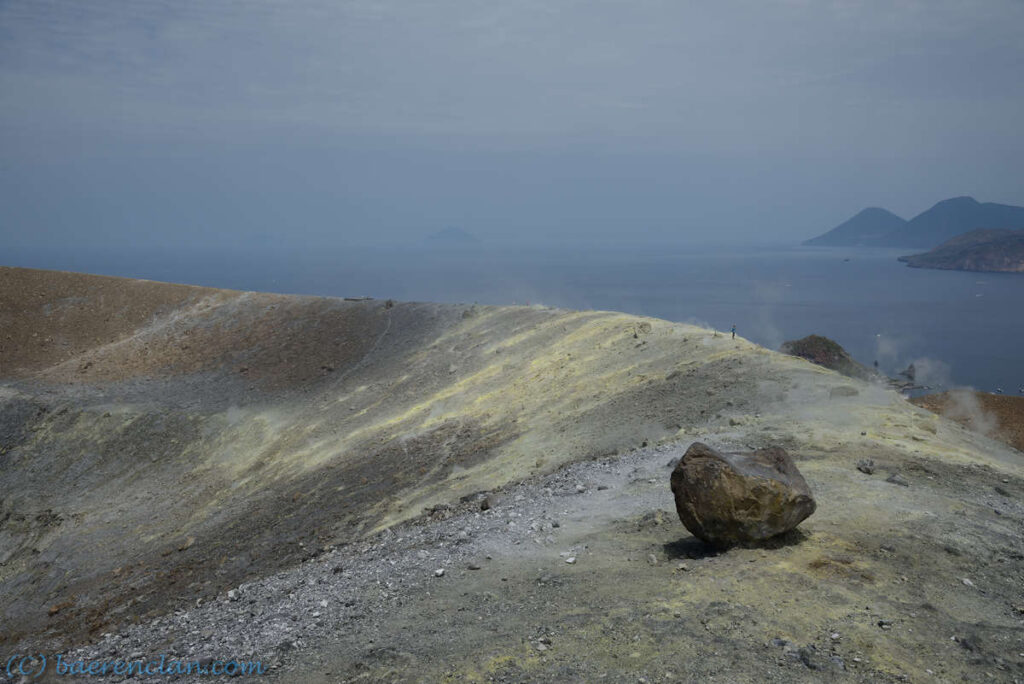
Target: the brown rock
(726, 499)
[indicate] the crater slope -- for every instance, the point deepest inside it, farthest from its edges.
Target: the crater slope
(163, 444)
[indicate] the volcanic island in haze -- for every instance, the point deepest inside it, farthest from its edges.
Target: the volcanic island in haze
(403, 491)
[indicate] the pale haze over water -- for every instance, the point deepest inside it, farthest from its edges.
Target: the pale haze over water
(311, 145)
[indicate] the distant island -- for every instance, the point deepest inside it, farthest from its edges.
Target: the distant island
(978, 250)
(452, 237)
(876, 227)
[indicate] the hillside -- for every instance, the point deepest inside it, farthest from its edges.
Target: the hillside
(952, 217)
(867, 228)
(392, 492)
(979, 250)
(1000, 417)
(932, 227)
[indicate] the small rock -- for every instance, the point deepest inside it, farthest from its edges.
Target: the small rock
(439, 572)
(233, 595)
(473, 566)
(885, 624)
(571, 560)
(808, 658)
(967, 582)
(683, 567)
(897, 479)
(652, 559)
(580, 489)
(866, 466)
(485, 504)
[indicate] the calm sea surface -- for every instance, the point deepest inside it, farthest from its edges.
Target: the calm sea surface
(958, 328)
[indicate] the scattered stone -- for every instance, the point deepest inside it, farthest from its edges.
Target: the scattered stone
(485, 504)
(233, 595)
(866, 466)
(571, 560)
(580, 489)
(809, 658)
(967, 582)
(473, 566)
(652, 559)
(897, 479)
(1001, 492)
(885, 624)
(725, 499)
(439, 572)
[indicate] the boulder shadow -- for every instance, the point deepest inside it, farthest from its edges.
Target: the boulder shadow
(689, 547)
(695, 549)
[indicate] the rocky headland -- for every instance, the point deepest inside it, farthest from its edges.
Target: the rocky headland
(995, 251)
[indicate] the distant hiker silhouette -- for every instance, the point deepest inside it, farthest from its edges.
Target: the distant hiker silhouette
(734, 331)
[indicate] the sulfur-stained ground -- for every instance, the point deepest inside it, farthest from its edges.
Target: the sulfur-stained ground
(162, 445)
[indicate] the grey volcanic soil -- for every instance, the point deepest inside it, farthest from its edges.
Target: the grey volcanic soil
(289, 456)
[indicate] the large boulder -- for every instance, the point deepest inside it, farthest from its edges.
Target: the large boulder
(726, 499)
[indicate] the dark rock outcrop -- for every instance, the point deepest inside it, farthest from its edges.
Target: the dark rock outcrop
(726, 499)
(828, 353)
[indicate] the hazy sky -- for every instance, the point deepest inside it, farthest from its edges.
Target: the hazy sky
(203, 122)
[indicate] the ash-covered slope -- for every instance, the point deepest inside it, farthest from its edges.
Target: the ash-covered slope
(158, 453)
(163, 442)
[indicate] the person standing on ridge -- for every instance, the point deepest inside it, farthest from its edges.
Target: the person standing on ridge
(734, 331)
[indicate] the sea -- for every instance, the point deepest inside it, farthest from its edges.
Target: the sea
(957, 328)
